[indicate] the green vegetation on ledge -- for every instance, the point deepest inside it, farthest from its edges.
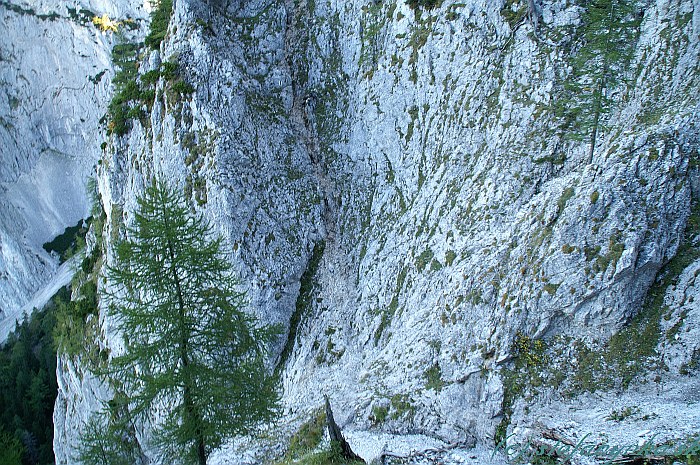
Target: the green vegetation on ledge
(160, 19)
(28, 389)
(514, 11)
(126, 102)
(529, 358)
(307, 438)
(427, 4)
(76, 330)
(633, 350)
(133, 93)
(331, 456)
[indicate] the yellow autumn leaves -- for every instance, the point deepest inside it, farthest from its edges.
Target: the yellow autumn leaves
(104, 23)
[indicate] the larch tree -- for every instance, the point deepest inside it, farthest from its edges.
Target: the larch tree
(190, 349)
(607, 39)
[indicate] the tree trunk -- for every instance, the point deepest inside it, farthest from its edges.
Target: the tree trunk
(193, 415)
(201, 452)
(190, 409)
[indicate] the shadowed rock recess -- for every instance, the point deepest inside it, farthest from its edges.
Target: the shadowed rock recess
(407, 188)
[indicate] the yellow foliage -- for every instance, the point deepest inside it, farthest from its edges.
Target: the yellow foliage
(105, 23)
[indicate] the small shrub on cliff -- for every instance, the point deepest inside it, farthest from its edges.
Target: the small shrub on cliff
(126, 89)
(160, 19)
(426, 4)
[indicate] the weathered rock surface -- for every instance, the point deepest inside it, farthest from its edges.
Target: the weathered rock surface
(397, 191)
(54, 87)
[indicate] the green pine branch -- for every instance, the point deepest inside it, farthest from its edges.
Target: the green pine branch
(189, 343)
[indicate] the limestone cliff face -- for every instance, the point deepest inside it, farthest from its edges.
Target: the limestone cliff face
(397, 191)
(54, 87)
(461, 216)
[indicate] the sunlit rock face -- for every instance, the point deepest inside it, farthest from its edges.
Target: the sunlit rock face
(54, 89)
(396, 190)
(55, 85)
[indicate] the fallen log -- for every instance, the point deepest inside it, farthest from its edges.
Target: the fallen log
(626, 459)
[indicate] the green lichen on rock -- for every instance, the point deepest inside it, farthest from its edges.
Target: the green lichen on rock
(525, 373)
(433, 378)
(373, 21)
(402, 407)
(564, 198)
(379, 414)
(633, 351)
(424, 259)
(200, 146)
(425, 4)
(514, 12)
(390, 311)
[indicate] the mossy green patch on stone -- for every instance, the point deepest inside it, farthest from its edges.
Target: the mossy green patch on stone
(433, 378)
(564, 198)
(526, 371)
(424, 259)
(402, 407)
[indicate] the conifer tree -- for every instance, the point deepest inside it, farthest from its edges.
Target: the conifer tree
(11, 449)
(189, 345)
(608, 34)
(105, 441)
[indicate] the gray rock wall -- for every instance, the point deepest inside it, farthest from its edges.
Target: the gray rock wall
(54, 87)
(419, 156)
(462, 215)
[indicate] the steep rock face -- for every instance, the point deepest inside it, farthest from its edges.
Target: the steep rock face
(397, 191)
(235, 153)
(55, 83)
(80, 395)
(462, 214)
